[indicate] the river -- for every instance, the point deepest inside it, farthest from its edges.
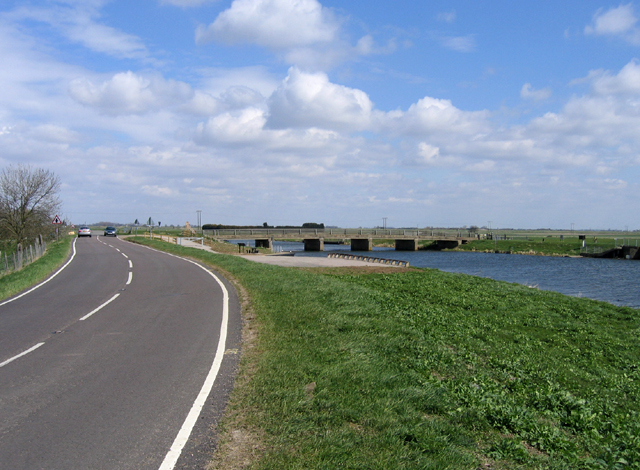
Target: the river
(610, 280)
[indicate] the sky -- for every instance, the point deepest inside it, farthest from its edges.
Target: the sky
(353, 114)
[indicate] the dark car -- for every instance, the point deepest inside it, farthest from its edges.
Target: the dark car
(110, 232)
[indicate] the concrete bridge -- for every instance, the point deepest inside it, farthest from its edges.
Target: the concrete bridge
(359, 239)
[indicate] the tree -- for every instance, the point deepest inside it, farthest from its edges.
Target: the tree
(28, 201)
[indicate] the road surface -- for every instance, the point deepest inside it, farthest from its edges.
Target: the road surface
(123, 360)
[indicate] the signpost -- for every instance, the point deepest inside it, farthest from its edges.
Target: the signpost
(56, 221)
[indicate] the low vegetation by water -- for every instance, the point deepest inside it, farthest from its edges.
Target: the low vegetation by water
(360, 368)
(549, 246)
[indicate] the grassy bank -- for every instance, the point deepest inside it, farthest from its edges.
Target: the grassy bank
(549, 246)
(421, 369)
(38, 271)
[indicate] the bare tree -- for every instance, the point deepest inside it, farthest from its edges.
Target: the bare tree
(28, 201)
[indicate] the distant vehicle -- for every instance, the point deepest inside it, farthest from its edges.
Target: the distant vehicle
(110, 232)
(84, 231)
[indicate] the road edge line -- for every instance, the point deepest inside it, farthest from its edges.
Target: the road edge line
(182, 438)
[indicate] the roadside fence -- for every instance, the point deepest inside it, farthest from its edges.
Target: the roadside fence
(22, 257)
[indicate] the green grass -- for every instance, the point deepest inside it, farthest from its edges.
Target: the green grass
(57, 252)
(422, 369)
(540, 245)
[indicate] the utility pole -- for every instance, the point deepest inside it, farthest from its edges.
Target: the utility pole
(199, 213)
(384, 223)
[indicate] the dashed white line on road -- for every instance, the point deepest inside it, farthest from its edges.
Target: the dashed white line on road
(130, 277)
(100, 307)
(21, 354)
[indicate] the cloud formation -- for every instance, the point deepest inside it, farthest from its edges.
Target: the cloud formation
(528, 93)
(274, 24)
(619, 21)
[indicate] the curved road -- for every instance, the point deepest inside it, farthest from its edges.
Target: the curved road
(123, 360)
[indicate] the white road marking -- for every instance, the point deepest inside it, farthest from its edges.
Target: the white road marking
(100, 307)
(130, 277)
(21, 354)
(181, 439)
(44, 282)
(124, 255)
(130, 264)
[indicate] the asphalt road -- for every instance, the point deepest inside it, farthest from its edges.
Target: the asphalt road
(116, 363)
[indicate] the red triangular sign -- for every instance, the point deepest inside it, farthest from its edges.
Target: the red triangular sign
(56, 220)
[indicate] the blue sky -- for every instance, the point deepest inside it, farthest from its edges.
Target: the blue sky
(439, 113)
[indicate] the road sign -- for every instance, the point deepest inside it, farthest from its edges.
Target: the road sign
(56, 220)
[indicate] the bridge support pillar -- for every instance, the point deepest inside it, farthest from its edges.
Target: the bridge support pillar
(314, 244)
(361, 244)
(407, 244)
(264, 243)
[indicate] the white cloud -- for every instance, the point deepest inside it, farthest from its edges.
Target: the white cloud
(233, 127)
(619, 21)
(626, 82)
(275, 24)
(78, 22)
(459, 43)
(447, 16)
(366, 46)
(55, 134)
(159, 191)
(300, 32)
(186, 3)
(528, 93)
(311, 100)
(615, 183)
(129, 93)
(439, 118)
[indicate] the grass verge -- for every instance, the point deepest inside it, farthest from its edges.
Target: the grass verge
(56, 254)
(545, 246)
(425, 369)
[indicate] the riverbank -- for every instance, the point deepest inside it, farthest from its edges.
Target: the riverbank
(357, 368)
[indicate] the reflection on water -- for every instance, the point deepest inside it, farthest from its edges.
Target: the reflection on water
(614, 281)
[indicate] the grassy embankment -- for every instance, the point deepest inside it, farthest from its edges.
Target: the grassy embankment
(416, 368)
(56, 254)
(549, 246)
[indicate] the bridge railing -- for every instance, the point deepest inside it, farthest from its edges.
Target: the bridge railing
(332, 233)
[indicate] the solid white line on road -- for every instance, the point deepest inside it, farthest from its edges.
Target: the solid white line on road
(130, 277)
(181, 439)
(44, 282)
(100, 307)
(21, 354)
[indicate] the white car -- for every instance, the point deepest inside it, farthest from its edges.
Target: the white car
(84, 231)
